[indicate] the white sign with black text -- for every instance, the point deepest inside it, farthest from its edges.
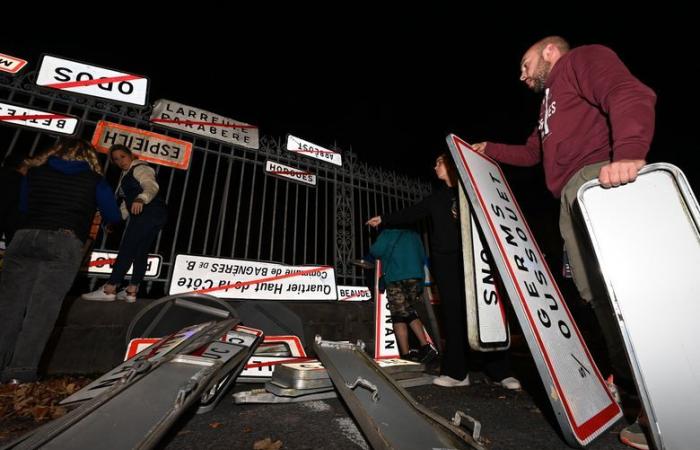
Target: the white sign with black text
(306, 148)
(583, 405)
(103, 262)
(204, 123)
(354, 294)
(290, 173)
(81, 78)
(32, 118)
(255, 280)
(487, 326)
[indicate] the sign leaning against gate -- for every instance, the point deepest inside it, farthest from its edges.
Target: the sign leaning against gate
(149, 146)
(289, 173)
(81, 78)
(242, 279)
(103, 262)
(204, 123)
(579, 396)
(32, 118)
(306, 148)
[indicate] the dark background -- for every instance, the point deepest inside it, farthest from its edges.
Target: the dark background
(388, 85)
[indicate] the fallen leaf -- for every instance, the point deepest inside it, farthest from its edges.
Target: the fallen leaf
(267, 444)
(247, 429)
(216, 425)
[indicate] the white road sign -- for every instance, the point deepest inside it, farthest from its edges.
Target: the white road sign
(486, 318)
(32, 118)
(204, 123)
(306, 148)
(81, 78)
(579, 396)
(354, 294)
(103, 262)
(290, 173)
(241, 279)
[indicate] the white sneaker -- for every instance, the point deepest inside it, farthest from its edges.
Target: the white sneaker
(446, 381)
(126, 296)
(99, 295)
(511, 383)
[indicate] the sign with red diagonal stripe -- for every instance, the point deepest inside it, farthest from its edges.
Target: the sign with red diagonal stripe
(103, 262)
(204, 123)
(306, 148)
(32, 118)
(581, 401)
(149, 146)
(354, 294)
(11, 64)
(81, 78)
(255, 280)
(290, 173)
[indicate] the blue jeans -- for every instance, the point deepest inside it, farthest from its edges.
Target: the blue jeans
(39, 269)
(138, 237)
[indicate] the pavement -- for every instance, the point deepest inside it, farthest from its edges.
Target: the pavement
(510, 419)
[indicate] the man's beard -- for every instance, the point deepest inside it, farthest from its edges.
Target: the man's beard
(540, 76)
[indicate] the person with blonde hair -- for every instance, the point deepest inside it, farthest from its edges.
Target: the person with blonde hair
(59, 194)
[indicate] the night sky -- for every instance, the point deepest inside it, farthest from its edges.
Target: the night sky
(390, 87)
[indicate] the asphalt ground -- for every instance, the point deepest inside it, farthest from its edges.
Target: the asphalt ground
(510, 419)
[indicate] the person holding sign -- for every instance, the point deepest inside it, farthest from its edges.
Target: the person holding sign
(596, 121)
(59, 195)
(442, 208)
(138, 192)
(401, 253)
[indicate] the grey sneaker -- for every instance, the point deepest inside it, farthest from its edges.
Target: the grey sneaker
(511, 383)
(447, 381)
(125, 295)
(634, 436)
(99, 295)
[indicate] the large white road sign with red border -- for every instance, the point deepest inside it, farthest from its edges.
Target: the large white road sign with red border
(81, 78)
(581, 401)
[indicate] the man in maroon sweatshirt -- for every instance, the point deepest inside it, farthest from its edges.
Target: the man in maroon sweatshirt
(596, 121)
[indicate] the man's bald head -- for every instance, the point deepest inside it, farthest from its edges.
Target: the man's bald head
(538, 60)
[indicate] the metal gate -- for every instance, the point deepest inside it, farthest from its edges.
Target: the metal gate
(224, 204)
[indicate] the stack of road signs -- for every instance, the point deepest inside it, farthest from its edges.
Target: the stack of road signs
(310, 381)
(133, 405)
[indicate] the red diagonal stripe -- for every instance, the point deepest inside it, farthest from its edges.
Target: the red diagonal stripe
(195, 122)
(70, 84)
(33, 117)
(313, 151)
(277, 363)
(102, 262)
(289, 172)
(262, 280)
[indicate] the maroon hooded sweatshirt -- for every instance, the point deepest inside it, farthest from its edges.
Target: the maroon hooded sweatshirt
(593, 110)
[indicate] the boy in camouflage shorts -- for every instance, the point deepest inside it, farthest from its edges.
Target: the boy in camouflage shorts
(402, 256)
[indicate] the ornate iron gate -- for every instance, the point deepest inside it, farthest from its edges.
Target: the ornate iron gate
(224, 204)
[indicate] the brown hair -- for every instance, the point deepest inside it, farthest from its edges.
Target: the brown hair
(450, 167)
(69, 149)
